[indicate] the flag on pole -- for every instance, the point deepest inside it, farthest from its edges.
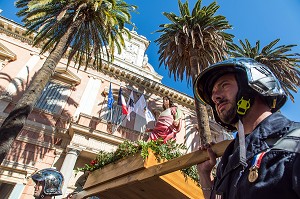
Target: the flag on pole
(149, 116)
(121, 102)
(141, 109)
(110, 99)
(140, 105)
(130, 105)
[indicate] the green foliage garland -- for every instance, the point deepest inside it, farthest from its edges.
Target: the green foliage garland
(161, 150)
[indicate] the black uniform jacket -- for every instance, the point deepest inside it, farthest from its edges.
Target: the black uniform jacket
(279, 172)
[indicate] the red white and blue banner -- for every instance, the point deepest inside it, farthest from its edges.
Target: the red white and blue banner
(121, 102)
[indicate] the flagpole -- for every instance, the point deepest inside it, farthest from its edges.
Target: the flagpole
(122, 103)
(110, 100)
(111, 105)
(111, 114)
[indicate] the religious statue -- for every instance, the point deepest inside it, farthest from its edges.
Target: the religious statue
(145, 60)
(168, 123)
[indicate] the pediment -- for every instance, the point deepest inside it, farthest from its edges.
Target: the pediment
(5, 52)
(66, 75)
(149, 67)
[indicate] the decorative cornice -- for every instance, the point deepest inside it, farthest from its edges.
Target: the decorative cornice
(114, 70)
(7, 53)
(141, 38)
(67, 75)
(99, 135)
(13, 169)
(149, 85)
(15, 30)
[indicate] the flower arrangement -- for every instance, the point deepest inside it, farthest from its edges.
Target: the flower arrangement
(161, 150)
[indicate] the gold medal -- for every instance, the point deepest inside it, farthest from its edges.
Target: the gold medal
(253, 174)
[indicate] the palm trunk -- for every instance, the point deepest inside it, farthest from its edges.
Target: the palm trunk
(16, 119)
(201, 111)
(203, 123)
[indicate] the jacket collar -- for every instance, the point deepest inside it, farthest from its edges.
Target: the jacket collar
(273, 126)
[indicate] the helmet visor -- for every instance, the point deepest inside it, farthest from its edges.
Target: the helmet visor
(38, 176)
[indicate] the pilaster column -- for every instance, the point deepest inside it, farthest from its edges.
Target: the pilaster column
(17, 191)
(68, 166)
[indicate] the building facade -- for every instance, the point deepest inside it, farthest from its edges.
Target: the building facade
(71, 122)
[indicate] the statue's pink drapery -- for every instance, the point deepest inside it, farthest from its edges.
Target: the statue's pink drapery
(168, 125)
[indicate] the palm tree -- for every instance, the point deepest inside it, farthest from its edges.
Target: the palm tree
(190, 43)
(88, 29)
(283, 64)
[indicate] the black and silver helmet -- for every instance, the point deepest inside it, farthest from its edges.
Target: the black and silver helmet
(53, 180)
(252, 78)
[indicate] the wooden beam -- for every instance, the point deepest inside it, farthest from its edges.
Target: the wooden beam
(155, 171)
(184, 161)
(109, 173)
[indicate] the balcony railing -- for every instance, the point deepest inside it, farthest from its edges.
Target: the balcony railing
(96, 123)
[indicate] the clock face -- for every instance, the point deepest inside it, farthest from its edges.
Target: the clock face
(129, 52)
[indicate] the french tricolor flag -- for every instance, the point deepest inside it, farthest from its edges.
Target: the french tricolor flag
(121, 102)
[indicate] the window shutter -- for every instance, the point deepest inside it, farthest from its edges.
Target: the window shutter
(53, 97)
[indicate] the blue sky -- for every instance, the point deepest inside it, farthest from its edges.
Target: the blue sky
(264, 20)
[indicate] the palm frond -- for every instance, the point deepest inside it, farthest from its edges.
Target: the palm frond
(191, 41)
(99, 29)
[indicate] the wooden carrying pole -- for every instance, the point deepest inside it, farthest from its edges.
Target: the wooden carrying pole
(152, 172)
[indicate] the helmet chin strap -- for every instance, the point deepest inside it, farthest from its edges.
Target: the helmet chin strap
(242, 145)
(243, 104)
(245, 99)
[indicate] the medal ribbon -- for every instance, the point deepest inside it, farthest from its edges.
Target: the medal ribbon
(257, 159)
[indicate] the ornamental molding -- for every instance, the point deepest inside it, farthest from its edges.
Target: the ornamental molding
(15, 30)
(120, 70)
(67, 75)
(150, 86)
(5, 52)
(77, 129)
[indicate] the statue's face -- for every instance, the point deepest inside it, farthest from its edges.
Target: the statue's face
(166, 102)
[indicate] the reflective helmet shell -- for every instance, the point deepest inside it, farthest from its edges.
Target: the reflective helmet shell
(252, 77)
(53, 180)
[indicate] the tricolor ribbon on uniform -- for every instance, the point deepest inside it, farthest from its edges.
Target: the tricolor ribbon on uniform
(257, 159)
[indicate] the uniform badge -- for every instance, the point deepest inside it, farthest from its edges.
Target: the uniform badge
(253, 171)
(253, 174)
